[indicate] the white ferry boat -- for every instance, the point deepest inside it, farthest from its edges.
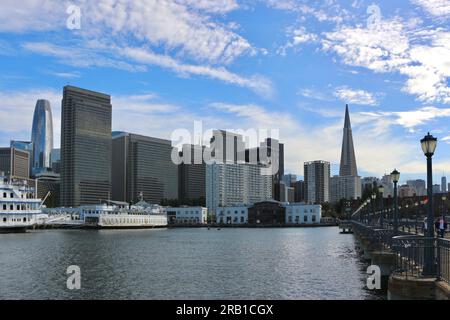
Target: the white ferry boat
(19, 209)
(120, 215)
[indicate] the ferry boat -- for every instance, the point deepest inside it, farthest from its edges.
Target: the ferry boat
(20, 210)
(120, 215)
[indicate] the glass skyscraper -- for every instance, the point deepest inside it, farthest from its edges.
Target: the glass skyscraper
(41, 137)
(85, 147)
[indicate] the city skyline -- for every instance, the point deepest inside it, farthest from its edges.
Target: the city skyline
(297, 78)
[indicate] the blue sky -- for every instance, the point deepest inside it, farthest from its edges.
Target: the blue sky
(290, 65)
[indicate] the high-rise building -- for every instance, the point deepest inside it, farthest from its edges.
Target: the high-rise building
(229, 184)
(348, 159)
(299, 191)
(22, 145)
(85, 147)
(419, 186)
(444, 184)
(56, 160)
(15, 163)
(317, 182)
(436, 188)
(388, 185)
(369, 182)
(348, 184)
(346, 187)
(143, 166)
(231, 180)
(192, 173)
(289, 179)
(42, 137)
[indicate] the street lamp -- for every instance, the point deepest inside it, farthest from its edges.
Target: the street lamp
(429, 144)
(395, 175)
(374, 197)
(381, 192)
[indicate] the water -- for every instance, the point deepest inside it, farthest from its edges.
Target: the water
(304, 263)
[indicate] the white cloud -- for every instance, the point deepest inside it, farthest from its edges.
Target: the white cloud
(298, 36)
(356, 96)
(438, 8)
(259, 84)
(397, 46)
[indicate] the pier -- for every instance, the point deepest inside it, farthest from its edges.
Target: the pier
(413, 266)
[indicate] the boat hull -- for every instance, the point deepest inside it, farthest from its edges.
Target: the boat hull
(21, 229)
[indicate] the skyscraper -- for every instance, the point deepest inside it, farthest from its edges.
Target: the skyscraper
(348, 184)
(15, 163)
(348, 159)
(144, 165)
(85, 147)
(41, 137)
(317, 182)
(192, 173)
(444, 184)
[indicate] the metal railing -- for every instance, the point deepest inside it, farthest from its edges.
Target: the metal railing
(443, 259)
(412, 255)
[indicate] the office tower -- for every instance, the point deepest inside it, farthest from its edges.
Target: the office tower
(419, 186)
(56, 160)
(443, 184)
(346, 187)
(289, 179)
(85, 147)
(227, 147)
(348, 184)
(436, 189)
(270, 152)
(49, 183)
(348, 159)
(22, 145)
(406, 191)
(143, 165)
(369, 182)
(299, 191)
(317, 182)
(192, 173)
(41, 137)
(15, 163)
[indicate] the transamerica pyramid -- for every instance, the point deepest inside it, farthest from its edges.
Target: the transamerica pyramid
(348, 160)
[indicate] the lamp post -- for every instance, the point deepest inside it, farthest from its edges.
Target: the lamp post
(381, 192)
(395, 175)
(428, 144)
(374, 197)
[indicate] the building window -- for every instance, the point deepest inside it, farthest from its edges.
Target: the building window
(305, 219)
(313, 218)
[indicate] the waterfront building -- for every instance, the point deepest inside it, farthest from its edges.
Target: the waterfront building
(85, 147)
(192, 173)
(230, 179)
(267, 213)
(230, 184)
(142, 166)
(298, 213)
(317, 182)
(187, 215)
(232, 215)
(15, 163)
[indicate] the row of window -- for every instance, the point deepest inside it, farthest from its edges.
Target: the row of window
(5, 220)
(17, 207)
(305, 219)
(11, 195)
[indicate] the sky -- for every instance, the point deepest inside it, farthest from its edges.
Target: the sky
(287, 65)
